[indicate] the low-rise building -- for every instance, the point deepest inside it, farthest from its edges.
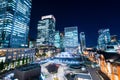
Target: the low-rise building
(109, 63)
(15, 57)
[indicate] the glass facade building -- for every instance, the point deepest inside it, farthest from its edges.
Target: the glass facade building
(71, 38)
(62, 38)
(104, 38)
(46, 30)
(14, 23)
(82, 41)
(57, 39)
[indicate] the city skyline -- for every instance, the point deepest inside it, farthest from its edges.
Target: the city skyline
(89, 16)
(59, 40)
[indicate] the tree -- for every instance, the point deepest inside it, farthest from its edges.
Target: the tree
(13, 63)
(23, 62)
(18, 62)
(6, 64)
(1, 65)
(26, 60)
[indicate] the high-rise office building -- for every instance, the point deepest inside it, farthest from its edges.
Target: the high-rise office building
(62, 41)
(46, 30)
(14, 23)
(82, 41)
(57, 39)
(71, 39)
(104, 38)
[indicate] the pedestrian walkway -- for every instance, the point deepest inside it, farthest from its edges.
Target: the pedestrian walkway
(61, 73)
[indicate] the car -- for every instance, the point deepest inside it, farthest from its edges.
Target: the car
(83, 68)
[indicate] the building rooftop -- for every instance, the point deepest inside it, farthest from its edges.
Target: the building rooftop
(112, 57)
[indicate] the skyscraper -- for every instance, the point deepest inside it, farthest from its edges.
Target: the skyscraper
(71, 38)
(14, 23)
(104, 38)
(62, 41)
(57, 39)
(46, 30)
(82, 41)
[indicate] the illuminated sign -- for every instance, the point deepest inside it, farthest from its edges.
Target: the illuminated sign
(48, 16)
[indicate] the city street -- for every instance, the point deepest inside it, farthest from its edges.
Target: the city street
(94, 74)
(63, 69)
(92, 71)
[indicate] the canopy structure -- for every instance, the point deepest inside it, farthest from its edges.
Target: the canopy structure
(64, 55)
(52, 68)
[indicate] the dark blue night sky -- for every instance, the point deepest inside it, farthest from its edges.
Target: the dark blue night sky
(88, 15)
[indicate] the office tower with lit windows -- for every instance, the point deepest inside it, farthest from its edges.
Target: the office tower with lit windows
(62, 41)
(57, 39)
(71, 39)
(14, 23)
(46, 30)
(82, 41)
(104, 38)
